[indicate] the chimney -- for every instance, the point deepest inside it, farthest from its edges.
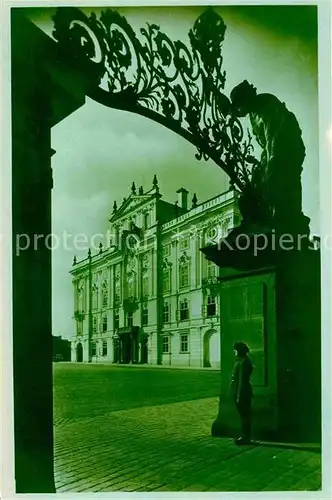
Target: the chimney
(183, 198)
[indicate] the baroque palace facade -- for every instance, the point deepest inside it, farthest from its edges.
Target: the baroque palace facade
(150, 297)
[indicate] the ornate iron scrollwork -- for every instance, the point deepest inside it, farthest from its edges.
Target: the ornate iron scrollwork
(179, 86)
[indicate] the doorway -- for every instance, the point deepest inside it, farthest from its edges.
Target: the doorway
(211, 349)
(79, 353)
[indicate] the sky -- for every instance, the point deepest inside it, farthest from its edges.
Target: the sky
(101, 151)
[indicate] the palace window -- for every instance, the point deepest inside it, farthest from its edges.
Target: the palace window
(211, 306)
(93, 349)
(105, 324)
(105, 294)
(104, 348)
(94, 297)
(184, 274)
(184, 310)
(94, 324)
(145, 315)
(166, 312)
(129, 319)
(116, 319)
(166, 279)
(165, 344)
(184, 342)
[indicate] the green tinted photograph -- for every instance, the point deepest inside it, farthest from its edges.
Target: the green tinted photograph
(166, 248)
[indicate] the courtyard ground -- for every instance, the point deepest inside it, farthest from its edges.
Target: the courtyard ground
(148, 429)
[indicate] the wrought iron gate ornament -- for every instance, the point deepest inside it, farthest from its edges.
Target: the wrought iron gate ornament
(178, 86)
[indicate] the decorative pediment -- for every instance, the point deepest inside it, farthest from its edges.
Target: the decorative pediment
(132, 203)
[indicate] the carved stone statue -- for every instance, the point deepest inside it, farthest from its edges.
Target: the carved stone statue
(276, 179)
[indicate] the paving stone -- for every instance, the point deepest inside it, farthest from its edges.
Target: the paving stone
(123, 446)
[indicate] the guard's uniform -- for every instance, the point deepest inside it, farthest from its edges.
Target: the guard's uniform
(242, 393)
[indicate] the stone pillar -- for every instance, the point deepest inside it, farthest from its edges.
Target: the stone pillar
(38, 103)
(32, 321)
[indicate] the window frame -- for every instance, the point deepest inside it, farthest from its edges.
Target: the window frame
(211, 301)
(167, 307)
(130, 319)
(183, 265)
(184, 309)
(166, 341)
(184, 342)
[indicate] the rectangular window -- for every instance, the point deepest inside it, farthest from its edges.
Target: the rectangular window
(184, 310)
(93, 349)
(116, 319)
(211, 307)
(184, 275)
(130, 319)
(184, 343)
(105, 348)
(146, 220)
(105, 324)
(105, 297)
(94, 324)
(166, 312)
(165, 345)
(145, 315)
(167, 280)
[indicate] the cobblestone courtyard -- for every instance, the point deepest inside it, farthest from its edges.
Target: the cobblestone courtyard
(148, 429)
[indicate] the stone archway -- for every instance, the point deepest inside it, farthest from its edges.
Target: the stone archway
(211, 349)
(50, 80)
(79, 353)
